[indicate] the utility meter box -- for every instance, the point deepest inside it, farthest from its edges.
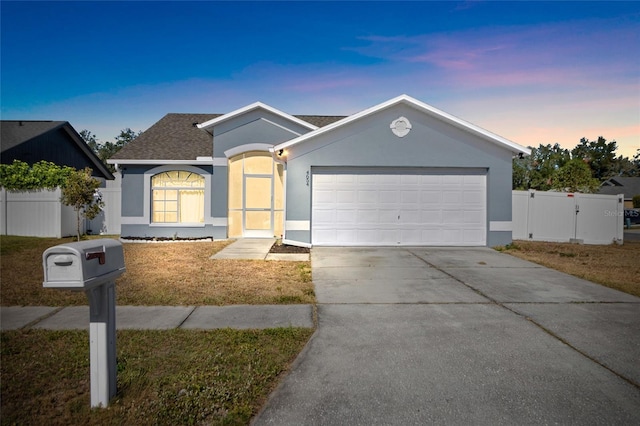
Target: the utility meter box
(83, 265)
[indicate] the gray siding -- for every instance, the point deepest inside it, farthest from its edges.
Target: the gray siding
(219, 198)
(133, 190)
(369, 142)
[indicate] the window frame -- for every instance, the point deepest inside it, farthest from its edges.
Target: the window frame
(147, 217)
(172, 194)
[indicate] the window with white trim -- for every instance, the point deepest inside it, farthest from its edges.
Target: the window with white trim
(177, 197)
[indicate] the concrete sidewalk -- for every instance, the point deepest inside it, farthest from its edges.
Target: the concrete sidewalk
(161, 317)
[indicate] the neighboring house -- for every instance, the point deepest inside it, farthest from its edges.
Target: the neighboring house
(40, 213)
(629, 186)
(399, 173)
(53, 141)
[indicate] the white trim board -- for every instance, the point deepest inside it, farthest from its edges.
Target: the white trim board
(420, 106)
(252, 107)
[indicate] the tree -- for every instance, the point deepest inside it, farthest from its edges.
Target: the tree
(600, 155)
(536, 170)
(105, 150)
(622, 166)
(574, 176)
(90, 139)
(80, 191)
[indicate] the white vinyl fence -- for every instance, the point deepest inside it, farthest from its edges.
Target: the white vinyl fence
(41, 214)
(568, 217)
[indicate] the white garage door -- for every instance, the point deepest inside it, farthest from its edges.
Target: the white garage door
(387, 207)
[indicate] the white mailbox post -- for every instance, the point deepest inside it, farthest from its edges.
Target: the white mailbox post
(92, 266)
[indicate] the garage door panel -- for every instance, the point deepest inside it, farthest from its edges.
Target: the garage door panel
(410, 197)
(393, 208)
(388, 197)
(367, 196)
(452, 217)
(432, 216)
(345, 216)
(346, 179)
(323, 217)
(325, 196)
(367, 216)
(345, 197)
(450, 196)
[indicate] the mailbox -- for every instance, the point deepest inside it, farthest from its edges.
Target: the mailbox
(92, 266)
(83, 265)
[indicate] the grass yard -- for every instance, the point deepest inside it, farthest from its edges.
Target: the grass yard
(164, 377)
(615, 266)
(159, 274)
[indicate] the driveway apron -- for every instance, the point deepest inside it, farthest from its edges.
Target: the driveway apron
(460, 336)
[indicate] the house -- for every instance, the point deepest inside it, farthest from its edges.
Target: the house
(629, 186)
(399, 173)
(53, 141)
(40, 213)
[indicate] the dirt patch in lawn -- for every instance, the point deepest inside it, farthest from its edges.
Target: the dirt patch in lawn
(615, 266)
(288, 249)
(160, 274)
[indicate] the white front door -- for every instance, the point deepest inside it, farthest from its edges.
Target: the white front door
(393, 207)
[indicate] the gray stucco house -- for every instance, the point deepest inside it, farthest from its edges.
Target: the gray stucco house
(399, 173)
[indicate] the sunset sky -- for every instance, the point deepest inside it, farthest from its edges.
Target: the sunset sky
(533, 72)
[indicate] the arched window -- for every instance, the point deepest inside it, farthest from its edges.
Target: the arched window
(177, 197)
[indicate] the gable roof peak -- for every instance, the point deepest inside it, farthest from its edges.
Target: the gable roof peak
(252, 107)
(421, 106)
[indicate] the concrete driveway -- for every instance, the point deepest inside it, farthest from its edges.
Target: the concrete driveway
(460, 336)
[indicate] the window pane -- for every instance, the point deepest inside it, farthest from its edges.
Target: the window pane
(192, 206)
(258, 163)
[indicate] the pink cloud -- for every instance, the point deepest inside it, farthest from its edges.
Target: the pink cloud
(553, 54)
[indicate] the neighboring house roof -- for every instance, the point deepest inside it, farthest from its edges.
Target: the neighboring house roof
(629, 186)
(178, 137)
(421, 106)
(32, 141)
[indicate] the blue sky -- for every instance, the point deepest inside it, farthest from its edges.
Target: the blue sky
(533, 72)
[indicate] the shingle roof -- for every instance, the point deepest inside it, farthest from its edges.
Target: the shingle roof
(16, 132)
(629, 186)
(320, 120)
(175, 137)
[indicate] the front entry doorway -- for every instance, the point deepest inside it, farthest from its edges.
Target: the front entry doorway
(255, 196)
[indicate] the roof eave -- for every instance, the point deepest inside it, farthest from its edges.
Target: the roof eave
(202, 161)
(412, 102)
(75, 136)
